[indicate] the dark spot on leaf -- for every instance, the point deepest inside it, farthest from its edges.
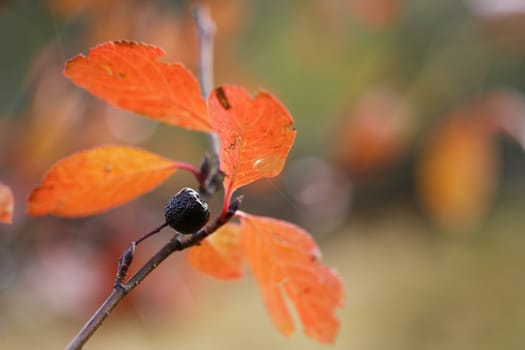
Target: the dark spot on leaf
(221, 96)
(235, 140)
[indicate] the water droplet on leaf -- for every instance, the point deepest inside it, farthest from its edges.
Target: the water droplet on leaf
(268, 166)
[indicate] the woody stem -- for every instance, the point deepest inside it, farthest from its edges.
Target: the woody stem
(206, 29)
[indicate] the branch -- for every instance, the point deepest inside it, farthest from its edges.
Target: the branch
(96, 320)
(120, 289)
(210, 179)
(206, 29)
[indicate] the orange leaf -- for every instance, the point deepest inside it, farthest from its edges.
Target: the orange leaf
(284, 258)
(98, 179)
(127, 74)
(256, 135)
(7, 204)
(220, 254)
(457, 172)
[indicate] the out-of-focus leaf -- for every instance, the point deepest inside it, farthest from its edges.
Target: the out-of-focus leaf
(7, 204)
(256, 135)
(98, 179)
(127, 74)
(504, 111)
(220, 254)
(284, 259)
(376, 13)
(457, 172)
(376, 133)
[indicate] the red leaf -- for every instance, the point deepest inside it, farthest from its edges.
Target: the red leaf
(98, 179)
(284, 258)
(256, 135)
(220, 254)
(127, 74)
(7, 204)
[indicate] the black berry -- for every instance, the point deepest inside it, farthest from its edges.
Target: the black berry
(186, 212)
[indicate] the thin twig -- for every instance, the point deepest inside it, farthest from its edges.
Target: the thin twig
(117, 294)
(206, 29)
(151, 233)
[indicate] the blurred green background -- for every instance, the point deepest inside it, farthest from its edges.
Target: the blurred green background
(408, 170)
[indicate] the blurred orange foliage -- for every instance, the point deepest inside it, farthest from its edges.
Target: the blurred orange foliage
(376, 13)
(457, 171)
(375, 134)
(7, 204)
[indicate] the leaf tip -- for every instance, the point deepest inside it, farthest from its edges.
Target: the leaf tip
(70, 63)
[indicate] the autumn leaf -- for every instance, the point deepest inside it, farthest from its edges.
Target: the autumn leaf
(220, 254)
(457, 172)
(377, 14)
(98, 179)
(285, 259)
(127, 74)
(374, 135)
(256, 135)
(7, 204)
